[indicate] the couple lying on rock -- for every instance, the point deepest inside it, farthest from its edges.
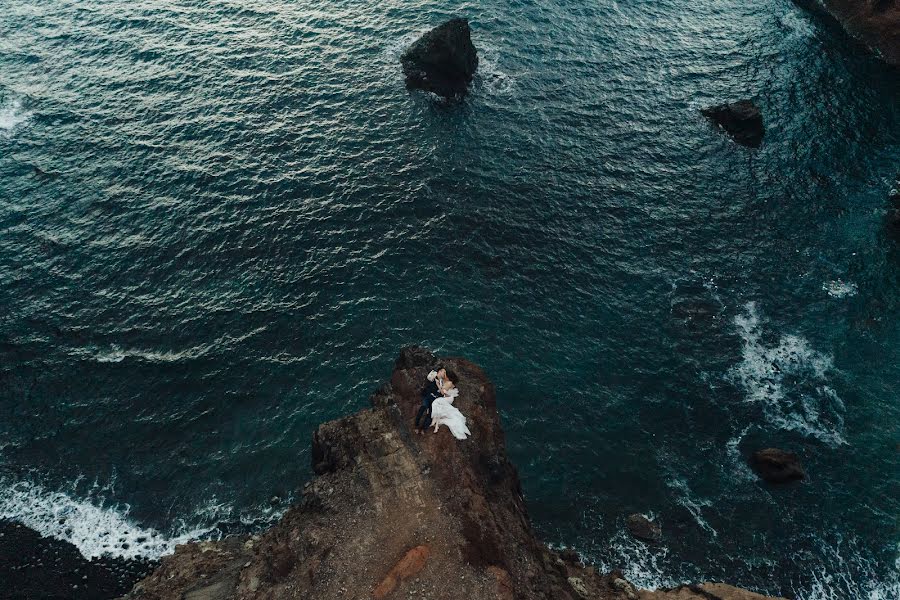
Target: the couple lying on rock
(437, 405)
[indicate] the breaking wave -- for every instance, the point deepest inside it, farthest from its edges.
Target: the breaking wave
(788, 379)
(646, 566)
(96, 527)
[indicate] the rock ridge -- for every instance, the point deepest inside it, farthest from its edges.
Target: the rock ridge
(391, 514)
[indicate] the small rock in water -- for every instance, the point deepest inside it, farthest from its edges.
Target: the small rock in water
(442, 61)
(742, 120)
(643, 528)
(777, 466)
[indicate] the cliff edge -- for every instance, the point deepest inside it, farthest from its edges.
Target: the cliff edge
(391, 514)
(875, 22)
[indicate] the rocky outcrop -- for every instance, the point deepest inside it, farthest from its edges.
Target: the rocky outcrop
(742, 120)
(643, 528)
(395, 515)
(874, 22)
(442, 61)
(777, 466)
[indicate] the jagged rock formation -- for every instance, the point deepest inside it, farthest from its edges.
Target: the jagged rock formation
(442, 61)
(742, 120)
(394, 515)
(643, 528)
(875, 22)
(777, 466)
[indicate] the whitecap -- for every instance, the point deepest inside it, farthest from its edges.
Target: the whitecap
(95, 527)
(840, 289)
(788, 379)
(12, 115)
(117, 354)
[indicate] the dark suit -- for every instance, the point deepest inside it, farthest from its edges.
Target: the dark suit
(423, 417)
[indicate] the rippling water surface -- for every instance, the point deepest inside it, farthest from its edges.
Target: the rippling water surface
(219, 221)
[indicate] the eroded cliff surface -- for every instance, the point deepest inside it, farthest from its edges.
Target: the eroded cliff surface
(391, 514)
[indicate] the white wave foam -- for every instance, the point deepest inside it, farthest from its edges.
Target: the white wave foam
(840, 289)
(695, 506)
(845, 573)
(116, 354)
(95, 528)
(789, 379)
(490, 76)
(739, 466)
(644, 565)
(12, 115)
(797, 23)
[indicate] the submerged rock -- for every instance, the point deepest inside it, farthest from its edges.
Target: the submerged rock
(741, 120)
(777, 466)
(643, 528)
(442, 61)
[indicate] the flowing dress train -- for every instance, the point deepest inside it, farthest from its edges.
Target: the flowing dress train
(444, 413)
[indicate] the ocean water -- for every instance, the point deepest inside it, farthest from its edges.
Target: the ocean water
(219, 222)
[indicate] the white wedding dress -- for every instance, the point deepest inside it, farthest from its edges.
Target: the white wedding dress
(444, 413)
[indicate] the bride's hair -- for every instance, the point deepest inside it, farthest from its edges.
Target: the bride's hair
(451, 375)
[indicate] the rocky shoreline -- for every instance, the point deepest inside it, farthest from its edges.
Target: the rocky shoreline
(876, 23)
(394, 515)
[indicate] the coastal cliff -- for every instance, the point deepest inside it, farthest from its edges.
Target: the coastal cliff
(875, 22)
(391, 514)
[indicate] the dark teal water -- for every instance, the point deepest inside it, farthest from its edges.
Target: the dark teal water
(241, 215)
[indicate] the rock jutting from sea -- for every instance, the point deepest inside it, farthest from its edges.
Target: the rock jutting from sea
(742, 120)
(443, 61)
(391, 514)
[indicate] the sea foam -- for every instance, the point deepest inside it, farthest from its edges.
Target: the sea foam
(12, 116)
(840, 289)
(789, 379)
(846, 573)
(647, 566)
(93, 526)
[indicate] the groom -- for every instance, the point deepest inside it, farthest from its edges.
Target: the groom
(432, 391)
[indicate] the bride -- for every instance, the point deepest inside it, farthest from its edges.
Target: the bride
(444, 413)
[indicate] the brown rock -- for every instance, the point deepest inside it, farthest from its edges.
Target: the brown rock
(706, 591)
(451, 510)
(411, 563)
(777, 466)
(643, 528)
(504, 585)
